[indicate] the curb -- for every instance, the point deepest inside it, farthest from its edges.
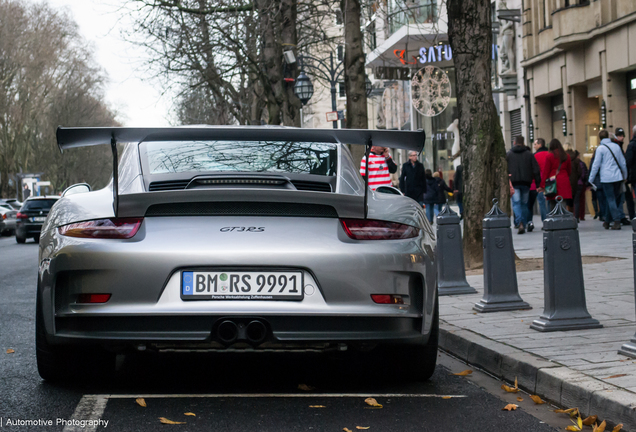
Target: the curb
(537, 375)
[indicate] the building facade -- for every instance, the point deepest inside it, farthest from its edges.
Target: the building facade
(580, 68)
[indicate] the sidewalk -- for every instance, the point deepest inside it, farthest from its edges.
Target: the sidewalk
(575, 368)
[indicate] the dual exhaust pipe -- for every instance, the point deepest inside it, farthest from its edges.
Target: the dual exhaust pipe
(229, 332)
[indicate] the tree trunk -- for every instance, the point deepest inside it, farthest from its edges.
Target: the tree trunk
(482, 145)
(354, 74)
(289, 38)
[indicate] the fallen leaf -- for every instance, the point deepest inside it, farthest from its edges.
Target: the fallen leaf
(346, 430)
(509, 407)
(516, 385)
(372, 402)
(577, 426)
(509, 389)
(141, 402)
(600, 428)
(190, 414)
(317, 406)
(520, 399)
(446, 397)
(363, 427)
(537, 399)
(166, 421)
(618, 427)
(305, 387)
(10, 351)
(589, 421)
(616, 376)
(463, 373)
(573, 412)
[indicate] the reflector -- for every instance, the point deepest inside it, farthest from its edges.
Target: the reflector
(93, 298)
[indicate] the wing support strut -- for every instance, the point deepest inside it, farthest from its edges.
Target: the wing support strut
(113, 147)
(366, 177)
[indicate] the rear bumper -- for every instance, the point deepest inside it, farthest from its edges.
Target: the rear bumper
(28, 229)
(281, 329)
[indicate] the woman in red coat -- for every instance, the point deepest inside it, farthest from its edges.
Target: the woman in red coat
(558, 160)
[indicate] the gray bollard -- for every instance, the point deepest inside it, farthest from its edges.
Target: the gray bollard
(629, 349)
(451, 273)
(500, 275)
(564, 289)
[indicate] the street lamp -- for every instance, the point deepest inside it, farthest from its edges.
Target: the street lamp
(303, 89)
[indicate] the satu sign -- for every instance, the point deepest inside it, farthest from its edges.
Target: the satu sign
(438, 53)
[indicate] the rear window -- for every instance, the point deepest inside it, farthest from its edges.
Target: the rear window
(41, 204)
(252, 156)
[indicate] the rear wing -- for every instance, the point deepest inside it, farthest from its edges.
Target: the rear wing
(68, 138)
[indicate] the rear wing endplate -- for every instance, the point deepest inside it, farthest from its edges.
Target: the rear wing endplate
(68, 138)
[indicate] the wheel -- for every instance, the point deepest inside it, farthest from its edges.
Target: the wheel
(19, 238)
(59, 363)
(419, 361)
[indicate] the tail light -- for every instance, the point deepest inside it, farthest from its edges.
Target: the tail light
(93, 298)
(387, 298)
(4, 216)
(114, 228)
(366, 229)
(21, 216)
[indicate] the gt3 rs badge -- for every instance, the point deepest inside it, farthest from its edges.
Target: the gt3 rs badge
(242, 229)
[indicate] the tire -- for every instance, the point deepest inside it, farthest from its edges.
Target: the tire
(420, 360)
(19, 238)
(68, 363)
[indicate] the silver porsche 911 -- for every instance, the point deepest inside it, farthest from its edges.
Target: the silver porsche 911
(234, 239)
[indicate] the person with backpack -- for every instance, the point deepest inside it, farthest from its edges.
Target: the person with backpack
(609, 163)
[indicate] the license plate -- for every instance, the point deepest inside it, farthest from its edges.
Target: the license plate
(39, 219)
(241, 285)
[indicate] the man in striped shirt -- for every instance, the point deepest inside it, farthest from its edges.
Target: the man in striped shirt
(381, 166)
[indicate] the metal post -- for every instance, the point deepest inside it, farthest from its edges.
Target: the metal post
(451, 274)
(564, 290)
(501, 292)
(629, 349)
(334, 107)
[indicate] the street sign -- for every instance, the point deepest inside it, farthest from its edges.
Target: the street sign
(341, 115)
(332, 116)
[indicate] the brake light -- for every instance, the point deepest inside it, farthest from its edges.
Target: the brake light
(113, 228)
(93, 298)
(4, 216)
(387, 299)
(366, 229)
(21, 216)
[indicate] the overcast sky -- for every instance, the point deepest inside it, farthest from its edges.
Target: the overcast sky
(130, 91)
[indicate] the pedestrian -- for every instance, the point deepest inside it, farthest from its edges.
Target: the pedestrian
(575, 177)
(458, 185)
(430, 196)
(598, 199)
(626, 193)
(557, 167)
(413, 178)
(442, 188)
(609, 162)
(630, 159)
(541, 152)
(381, 166)
(582, 188)
(26, 192)
(522, 169)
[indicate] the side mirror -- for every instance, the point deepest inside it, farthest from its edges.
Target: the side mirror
(76, 189)
(388, 190)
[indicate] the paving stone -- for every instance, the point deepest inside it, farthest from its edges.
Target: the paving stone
(618, 406)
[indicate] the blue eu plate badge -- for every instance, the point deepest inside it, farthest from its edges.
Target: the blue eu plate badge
(187, 283)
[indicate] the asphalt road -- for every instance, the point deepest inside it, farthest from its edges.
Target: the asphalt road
(240, 392)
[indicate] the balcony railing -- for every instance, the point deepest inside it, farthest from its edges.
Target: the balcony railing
(402, 13)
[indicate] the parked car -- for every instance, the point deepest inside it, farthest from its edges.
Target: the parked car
(7, 219)
(14, 203)
(31, 216)
(236, 238)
